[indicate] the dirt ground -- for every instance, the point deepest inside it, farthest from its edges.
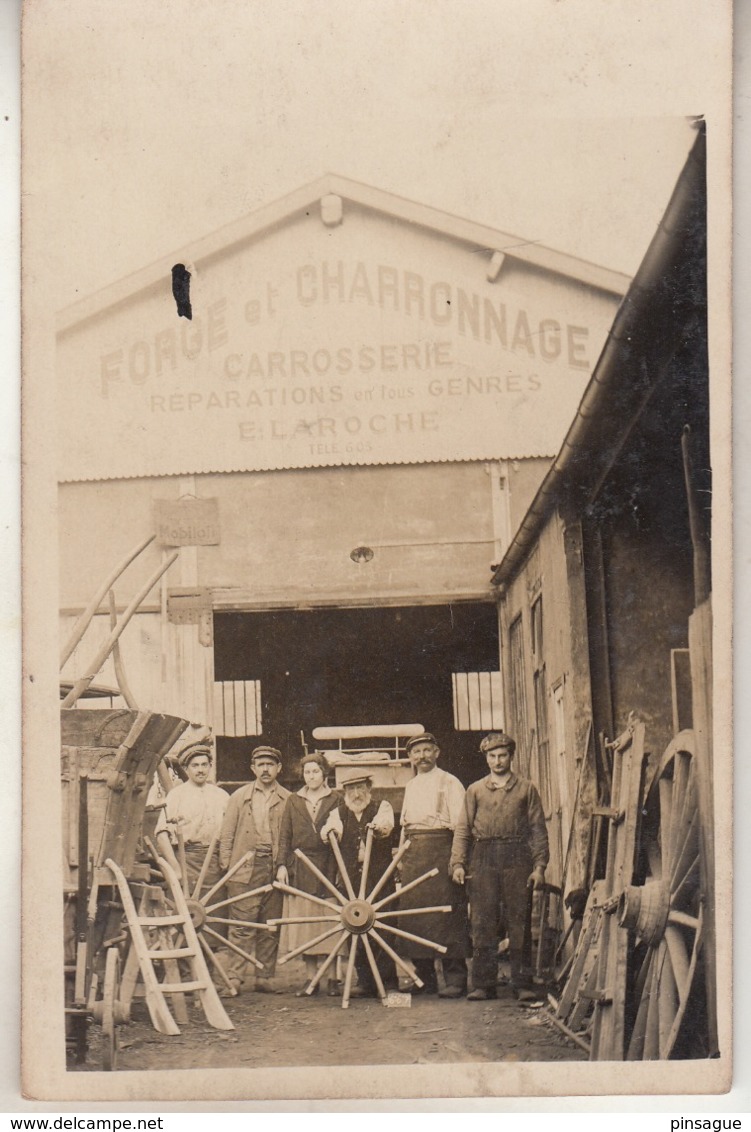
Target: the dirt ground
(282, 1031)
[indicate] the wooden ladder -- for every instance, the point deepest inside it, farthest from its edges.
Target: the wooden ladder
(199, 983)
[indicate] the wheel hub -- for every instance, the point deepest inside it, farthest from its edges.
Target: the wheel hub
(358, 916)
(645, 911)
(197, 913)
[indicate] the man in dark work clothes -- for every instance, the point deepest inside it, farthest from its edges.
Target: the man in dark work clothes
(502, 831)
(350, 824)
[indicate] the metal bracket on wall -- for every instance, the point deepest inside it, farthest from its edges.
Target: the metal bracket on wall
(192, 605)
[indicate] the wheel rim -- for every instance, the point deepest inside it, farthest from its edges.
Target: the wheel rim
(665, 913)
(109, 1009)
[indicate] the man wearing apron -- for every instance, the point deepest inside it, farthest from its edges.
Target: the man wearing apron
(433, 804)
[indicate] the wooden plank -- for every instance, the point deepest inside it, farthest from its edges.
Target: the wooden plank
(585, 953)
(229, 709)
(700, 645)
(218, 694)
(241, 725)
(628, 780)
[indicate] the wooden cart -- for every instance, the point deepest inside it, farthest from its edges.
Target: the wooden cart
(121, 916)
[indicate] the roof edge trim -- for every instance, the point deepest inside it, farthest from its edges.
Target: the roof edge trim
(270, 215)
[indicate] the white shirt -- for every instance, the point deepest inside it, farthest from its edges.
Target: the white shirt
(433, 800)
(197, 811)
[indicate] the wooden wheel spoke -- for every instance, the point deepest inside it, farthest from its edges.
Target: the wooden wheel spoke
(292, 891)
(665, 788)
(343, 873)
(204, 867)
(269, 927)
(413, 938)
(698, 939)
(388, 872)
(304, 920)
(233, 899)
(414, 911)
(643, 982)
(400, 964)
(667, 1000)
(683, 918)
(233, 947)
(374, 968)
(350, 971)
(679, 960)
(228, 876)
(366, 864)
(651, 1049)
(308, 944)
(683, 803)
(215, 961)
(685, 851)
(692, 874)
(322, 876)
(404, 889)
(327, 962)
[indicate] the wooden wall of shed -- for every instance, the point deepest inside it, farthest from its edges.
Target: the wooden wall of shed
(168, 670)
(553, 573)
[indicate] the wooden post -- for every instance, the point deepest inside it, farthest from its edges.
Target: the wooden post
(700, 646)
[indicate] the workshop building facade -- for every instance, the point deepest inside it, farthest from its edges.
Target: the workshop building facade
(342, 441)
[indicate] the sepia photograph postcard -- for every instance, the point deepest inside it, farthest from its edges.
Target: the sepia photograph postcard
(377, 550)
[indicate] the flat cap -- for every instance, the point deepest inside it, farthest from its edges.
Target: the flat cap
(193, 751)
(496, 740)
(266, 753)
(426, 737)
(349, 776)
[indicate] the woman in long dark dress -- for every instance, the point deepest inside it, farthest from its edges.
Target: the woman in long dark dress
(304, 815)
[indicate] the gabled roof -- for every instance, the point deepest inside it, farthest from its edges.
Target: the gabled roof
(288, 207)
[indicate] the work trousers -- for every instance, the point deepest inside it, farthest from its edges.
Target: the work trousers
(194, 859)
(498, 893)
(454, 973)
(384, 964)
(258, 909)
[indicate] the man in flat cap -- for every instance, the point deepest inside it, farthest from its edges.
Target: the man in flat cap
(433, 804)
(350, 823)
(502, 830)
(193, 811)
(252, 823)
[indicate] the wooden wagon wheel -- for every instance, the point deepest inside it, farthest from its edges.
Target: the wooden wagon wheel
(204, 906)
(110, 1008)
(666, 912)
(355, 917)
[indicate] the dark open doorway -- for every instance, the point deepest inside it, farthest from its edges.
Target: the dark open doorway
(361, 666)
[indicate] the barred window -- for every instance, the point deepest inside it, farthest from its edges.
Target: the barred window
(237, 708)
(478, 701)
(518, 722)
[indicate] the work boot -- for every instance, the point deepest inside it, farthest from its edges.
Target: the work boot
(452, 992)
(481, 994)
(231, 991)
(265, 986)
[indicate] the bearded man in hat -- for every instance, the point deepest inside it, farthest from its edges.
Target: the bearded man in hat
(349, 823)
(502, 829)
(252, 824)
(193, 811)
(433, 804)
